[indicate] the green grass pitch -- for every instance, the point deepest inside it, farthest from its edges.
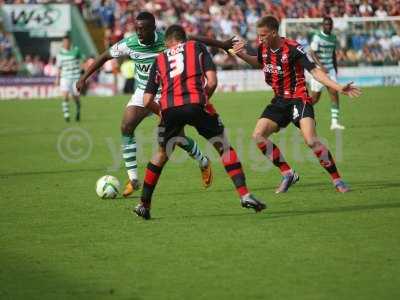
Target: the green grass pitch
(59, 241)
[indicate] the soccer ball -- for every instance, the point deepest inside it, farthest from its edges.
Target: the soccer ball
(107, 187)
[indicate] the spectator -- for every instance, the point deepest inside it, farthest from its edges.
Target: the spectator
(50, 69)
(5, 44)
(395, 41)
(381, 12)
(8, 66)
(358, 41)
(224, 18)
(94, 78)
(365, 9)
(128, 72)
(130, 30)
(394, 8)
(385, 43)
(29, 66)
(108, 35)
(117, 32)
(226, 24)
(110, 72)
(106, 13)
(38, 66)
(302, 40)
(225, 62)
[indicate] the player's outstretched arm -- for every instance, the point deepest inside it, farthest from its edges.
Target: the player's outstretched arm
(238, 50)
(225, 45)
(96, 65)
(316, 59)
(348, 89)
(335, 66)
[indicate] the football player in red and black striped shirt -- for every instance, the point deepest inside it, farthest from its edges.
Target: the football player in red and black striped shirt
(188, 79)
(283, 62)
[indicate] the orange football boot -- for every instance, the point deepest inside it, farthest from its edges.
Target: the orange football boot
(206, 174)
(131, 187)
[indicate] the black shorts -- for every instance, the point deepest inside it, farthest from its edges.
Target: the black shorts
(207, 123)
(284, 111)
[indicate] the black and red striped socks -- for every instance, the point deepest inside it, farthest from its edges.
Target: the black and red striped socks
(326, 160)
(270, 150)
(151, 177)
(234, 169)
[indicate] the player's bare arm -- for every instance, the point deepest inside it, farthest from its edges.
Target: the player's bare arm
(212, 83)
(317, 61)
(96, 65)
(225, 45)
(238, 49)
(335, 66)
(148, 102)
(348, 89)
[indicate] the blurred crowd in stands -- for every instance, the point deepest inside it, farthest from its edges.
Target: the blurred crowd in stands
(225, 18)
(171, 11)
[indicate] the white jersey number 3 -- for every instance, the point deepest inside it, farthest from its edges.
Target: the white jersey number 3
(176, 63)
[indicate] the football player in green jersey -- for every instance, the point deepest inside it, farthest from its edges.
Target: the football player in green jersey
(323, 53)
(68, 61)
(143, 47)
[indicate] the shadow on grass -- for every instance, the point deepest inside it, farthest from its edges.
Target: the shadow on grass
(17, 174)
(323, 185)
(354, 185)
(135, 196)
(267, 214)
(333, 210)
(38, 279)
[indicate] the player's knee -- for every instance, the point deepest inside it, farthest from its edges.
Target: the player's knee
(312, 142)
(127, 128)
(257, 136)
(124, 128)
(220, 146)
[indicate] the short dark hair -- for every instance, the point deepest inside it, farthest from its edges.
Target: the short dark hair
(270, 22)
(327, 18)
(175, 32)
(146, 16)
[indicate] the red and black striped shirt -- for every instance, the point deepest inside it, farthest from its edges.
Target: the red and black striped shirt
(181, 73)
(284, 69)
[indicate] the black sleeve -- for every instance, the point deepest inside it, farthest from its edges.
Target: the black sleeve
(301, 57)
(259, 55)
(207, 62)
(154, 81)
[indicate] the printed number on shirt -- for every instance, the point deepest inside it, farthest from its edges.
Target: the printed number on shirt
(176, 63)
